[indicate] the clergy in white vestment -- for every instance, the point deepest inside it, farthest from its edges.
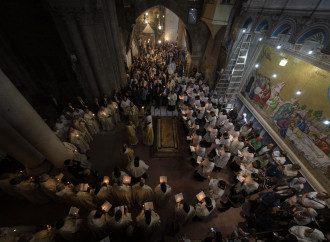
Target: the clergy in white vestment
(304, 234)
(66, 193)
(279, 157)
(77, 139)
(122, 194)
(61, 129)
(236, 145)
(250, 183)
(48, 186)
(222, 158)
(118, 175)
(205, 168)
(79, 112)
(7, 187)
(75, 155)
(115, 111)
(148, 222)
(142, 193)
(103, 194)
(172, 97)
(124, 104)
(205, 207)
(85, 199)
(45, 235)
(246, 129)
(162, 194)
(137, 169)
(105, 119)
(120, 222)
(80, 124)
(217, 188)
(133, 113)
(31, 191)
(67, 228)
(97, 222)
(126, 154)
(91, 122)
(184, 213)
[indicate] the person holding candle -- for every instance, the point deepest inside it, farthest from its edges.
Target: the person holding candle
(142, 193)
(205, 207)
(105, 119)
(162, 194)
(184, 213)
(77, 139)
(122, 194)
(91, 122)
(80, 124)
(113, 106)
(147, 222)
(120, 222)
(97, 222)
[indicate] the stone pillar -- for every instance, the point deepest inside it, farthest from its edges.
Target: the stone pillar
(113, 38)
(82, 56)
(180, 34)
(15, 109)
(17, 147)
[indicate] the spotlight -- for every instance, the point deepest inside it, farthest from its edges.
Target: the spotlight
(283, 62)
(278, 47)
(244, 30)
(310, 52)
(298, 92)
(326, 122)
(274, 75)
(260, 39)
(256, 65)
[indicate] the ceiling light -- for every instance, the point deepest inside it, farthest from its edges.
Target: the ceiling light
(274, 75)
(326, 122)
(278, 47)
(256, 66)
(283, 62)
(298, 92)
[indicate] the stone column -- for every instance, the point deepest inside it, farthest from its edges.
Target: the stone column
(91, 27)
(15, 109)
(17, 147)
(180, 33)
(82, 56)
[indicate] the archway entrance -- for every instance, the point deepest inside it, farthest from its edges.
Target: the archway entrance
(156, 27)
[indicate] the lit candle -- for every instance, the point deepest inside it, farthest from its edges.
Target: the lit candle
(77, 135)
(106, 179)
(93, 114)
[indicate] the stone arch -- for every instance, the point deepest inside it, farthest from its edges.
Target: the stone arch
(311, 30)
(283, 27)
(263, 25)
(247, 22)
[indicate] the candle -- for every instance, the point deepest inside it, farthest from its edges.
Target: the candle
(93, 114)
(200, 196)
(77, 135)
(48, 227)
(106, 179)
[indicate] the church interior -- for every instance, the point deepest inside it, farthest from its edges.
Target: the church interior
(164, 120)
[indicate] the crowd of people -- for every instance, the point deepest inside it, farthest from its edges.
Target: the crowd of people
(264, 180)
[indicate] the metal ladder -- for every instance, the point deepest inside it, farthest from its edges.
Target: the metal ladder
(231, 78)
